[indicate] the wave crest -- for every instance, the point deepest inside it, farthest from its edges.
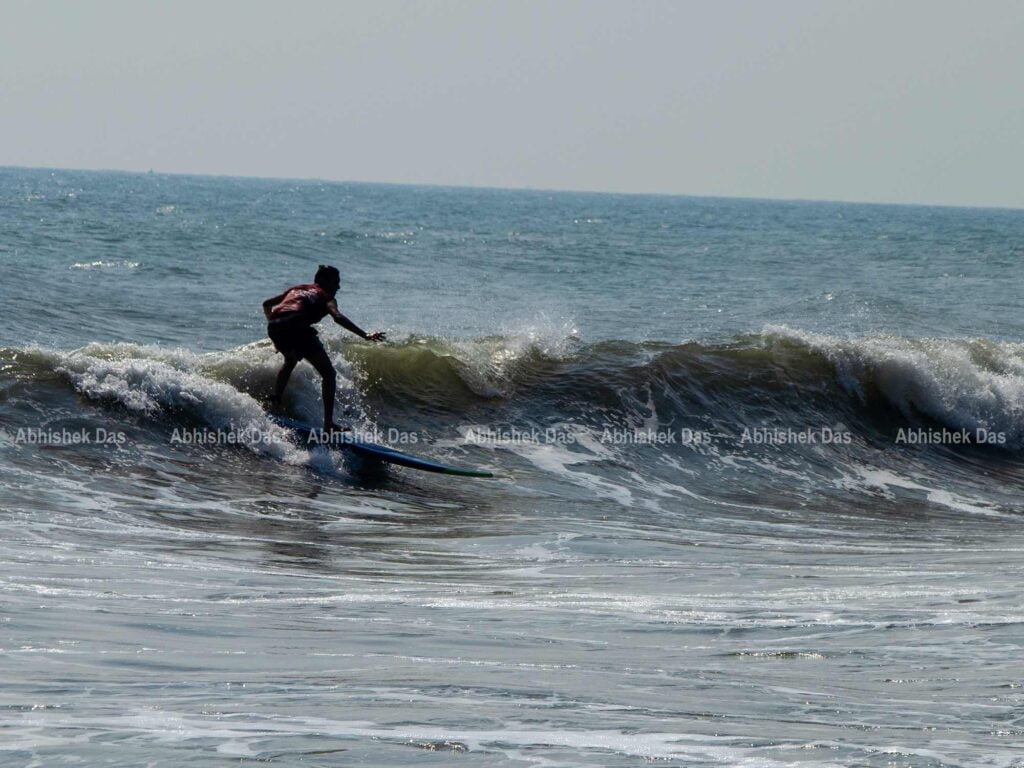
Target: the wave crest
(781, 375)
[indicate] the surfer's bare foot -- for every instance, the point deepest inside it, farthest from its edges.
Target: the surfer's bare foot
(332, 427)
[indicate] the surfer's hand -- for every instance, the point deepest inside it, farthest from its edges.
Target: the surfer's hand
(377, 336)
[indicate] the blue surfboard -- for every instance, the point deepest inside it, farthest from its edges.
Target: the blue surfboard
(311, 436)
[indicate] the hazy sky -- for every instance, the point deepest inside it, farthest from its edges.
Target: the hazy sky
(880, 101)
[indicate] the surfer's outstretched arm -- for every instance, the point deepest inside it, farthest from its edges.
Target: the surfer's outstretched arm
(348, 325)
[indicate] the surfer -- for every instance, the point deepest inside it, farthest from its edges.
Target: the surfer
(290, 319)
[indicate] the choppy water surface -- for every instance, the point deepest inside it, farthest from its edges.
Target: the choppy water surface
(779, 576)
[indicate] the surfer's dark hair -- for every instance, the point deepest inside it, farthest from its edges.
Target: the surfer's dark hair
(327, 275)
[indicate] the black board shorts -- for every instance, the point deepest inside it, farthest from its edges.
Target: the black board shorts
(295, 340)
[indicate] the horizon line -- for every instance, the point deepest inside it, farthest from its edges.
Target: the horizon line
(489, 187)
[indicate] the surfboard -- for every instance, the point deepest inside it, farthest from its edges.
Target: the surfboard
(307, 435)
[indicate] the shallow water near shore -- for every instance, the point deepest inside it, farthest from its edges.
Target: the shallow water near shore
(730, 524)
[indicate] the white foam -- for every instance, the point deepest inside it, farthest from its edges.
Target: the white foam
(488, 365)
(556, 458)
(964, 383)
(241, 735)
(124, 264)
(153, 380)
(873, 479)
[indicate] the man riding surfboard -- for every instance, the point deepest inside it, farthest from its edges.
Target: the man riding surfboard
(290, 319)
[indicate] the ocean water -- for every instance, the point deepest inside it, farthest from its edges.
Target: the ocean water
(757, 496)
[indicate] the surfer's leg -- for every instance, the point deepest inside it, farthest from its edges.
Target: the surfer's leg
(282, 378)
(328, 381)
(285, 343)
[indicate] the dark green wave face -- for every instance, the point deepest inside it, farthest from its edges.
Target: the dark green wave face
(755, 479)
